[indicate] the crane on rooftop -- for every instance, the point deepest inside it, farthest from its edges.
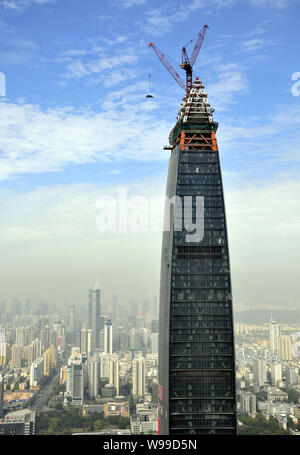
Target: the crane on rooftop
(187, 62)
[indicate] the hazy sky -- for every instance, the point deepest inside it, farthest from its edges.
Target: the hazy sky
(75, 125)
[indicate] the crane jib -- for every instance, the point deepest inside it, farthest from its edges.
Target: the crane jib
(187, 64)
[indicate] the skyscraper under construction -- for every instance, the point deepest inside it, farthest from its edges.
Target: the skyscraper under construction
(196, 346)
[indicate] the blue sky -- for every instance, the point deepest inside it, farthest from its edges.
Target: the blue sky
(75, 124)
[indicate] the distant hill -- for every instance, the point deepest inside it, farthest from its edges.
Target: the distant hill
(262, 316)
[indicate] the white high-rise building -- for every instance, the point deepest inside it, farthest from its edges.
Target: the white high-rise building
(75, 380)
(138, 377)
(16, 356)
(276, 373)
(22, 336)
(85, 341)
(104, 365)
(36, 371)
(248, 403)
(274, 336)
(290, 376)
(93, 377)
(114, 373)
(94, 317)
(260, 372)
(285, 347)
(108, 337)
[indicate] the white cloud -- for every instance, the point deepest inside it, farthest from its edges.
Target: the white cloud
(96, 61)
(33, 140)
(161, 20)
(130, 3)
(230, 81)
(272, 3)
(17, 51)
(253, 44)
(18, 6)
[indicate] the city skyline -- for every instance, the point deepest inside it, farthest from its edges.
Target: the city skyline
(84, 77)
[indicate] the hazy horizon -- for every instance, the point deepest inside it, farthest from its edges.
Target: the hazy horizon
(75, 126)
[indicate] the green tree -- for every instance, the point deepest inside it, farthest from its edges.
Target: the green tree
(124, 422)
(54, 424)
(113, 420)
(98, 425)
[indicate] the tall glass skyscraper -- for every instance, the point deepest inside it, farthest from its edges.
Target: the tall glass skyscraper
(196, 346)
(94, 317)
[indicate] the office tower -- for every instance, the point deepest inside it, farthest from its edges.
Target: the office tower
(104, 365)
(138, 338)
(28, 354)
(248, 403)
(1, 395)
(61, 343)
(85, 341)
(196, 346)
(49, 360)
(108, 336)
(274, 335)
(21, 422)
(22, 336)
(290, 376)
(93, 377)
(94, 317)
(276, 373)
(44, 338)
(37, 348)
(4, 353)
(285, 347)
(75, 380)
(114, 373)
(16, 356)
(260, 372)
(36, 371)
(296, 344)
(71, 318)
(120, 339)
(52, 337)
(138, 377)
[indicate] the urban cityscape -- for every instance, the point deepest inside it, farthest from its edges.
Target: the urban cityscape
(56, 378)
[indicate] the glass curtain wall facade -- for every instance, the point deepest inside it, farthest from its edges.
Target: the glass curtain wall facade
(196, 345)
(94, 322)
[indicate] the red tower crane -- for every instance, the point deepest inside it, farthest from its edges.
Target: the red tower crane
(186, 62)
